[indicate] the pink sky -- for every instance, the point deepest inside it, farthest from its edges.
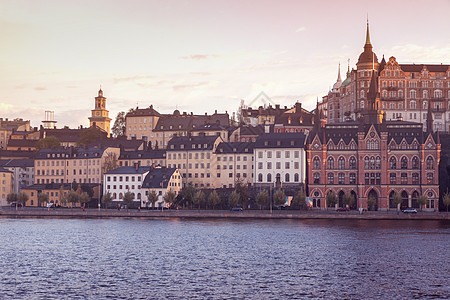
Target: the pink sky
(197, 55)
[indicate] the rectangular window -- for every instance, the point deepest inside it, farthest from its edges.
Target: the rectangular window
(278, 165)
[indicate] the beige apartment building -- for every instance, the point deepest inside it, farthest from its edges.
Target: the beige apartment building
(82, 165)
(6, 185)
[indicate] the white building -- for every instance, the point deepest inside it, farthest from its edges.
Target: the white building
(280, 160)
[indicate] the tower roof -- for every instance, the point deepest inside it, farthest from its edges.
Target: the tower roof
(368, 56)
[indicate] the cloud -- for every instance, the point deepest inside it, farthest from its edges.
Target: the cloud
(133, 78)
(200, 56)
(301, 29)
(5, 106)
(421, 54)
(181, 87)
(40, 88)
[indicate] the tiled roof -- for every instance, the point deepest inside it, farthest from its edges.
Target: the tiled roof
(280, 140)
(143, 154)
(147, 112)
(66, 153)
(22, 143)
(130, 170)
(158, 178)
(191, 143)
(23, 163)
(419, 67)
(189, 122)
(252, 130)
(235, 147)
(17, 153)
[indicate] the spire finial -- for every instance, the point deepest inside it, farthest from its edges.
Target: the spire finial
(339, 73)
(367, 33)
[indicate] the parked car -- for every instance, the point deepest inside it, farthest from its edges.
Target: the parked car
(15, 203)
(236, 209)
(342, 209)
(410, 210)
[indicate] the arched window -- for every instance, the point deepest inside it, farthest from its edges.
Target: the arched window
(269, 177)
(430, 163)
(330, 163)
(139, 196)
(372, 163)
(412, 104)
(378, 163)
(362, 102)
(393, 163)
(366, 163)
(412, 94)
(296, 177)
(316, 163)
(278, 177)
(260, 177)
(385, 94)
(287, 177)
(415, 162)
(316, 178)
(352, 163)
(114, 195)
(330, 178)
(425, 104)
(120, 195)
(437, 94)
(400, 94)
(404, 163)
(341, 163)
(425, 94)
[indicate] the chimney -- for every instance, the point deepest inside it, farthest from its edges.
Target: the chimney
(215, 112)
(298, 107)
(206, 114)
(136, 166)
(277, 106)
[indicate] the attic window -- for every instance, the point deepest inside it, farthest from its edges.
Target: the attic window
(170, 127)
(172, 146)
(181, 146)
(234, 149)
(266, 143)
(278, 143)
(246, 149)
(179, 126)
(162, 126)
(205, 146)
(193, 146)
(292, 143)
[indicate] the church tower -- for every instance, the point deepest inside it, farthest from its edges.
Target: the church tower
(100, 116)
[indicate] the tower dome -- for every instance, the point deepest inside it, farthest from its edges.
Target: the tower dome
(368, 59)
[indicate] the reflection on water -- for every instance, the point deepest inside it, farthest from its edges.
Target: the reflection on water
(232, 259)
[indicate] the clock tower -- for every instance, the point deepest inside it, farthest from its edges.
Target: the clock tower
(100, 116)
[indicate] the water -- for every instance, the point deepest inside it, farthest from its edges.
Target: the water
(223, 259)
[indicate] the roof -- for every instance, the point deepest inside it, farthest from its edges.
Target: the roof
(158, 178)
(56, 186)
(210, 127)
(143, 112)
(235, 147)
(71, 152)
(293, 119)
(187, 122)
(17, 153)
(132, 144)
(3, 170)
(130, 170)
(419, 67)
(252, 130)
(280, 140)
(192, 143)
(22, 163)
(143, 154)
(22, 143)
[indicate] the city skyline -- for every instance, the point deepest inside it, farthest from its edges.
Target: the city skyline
(196, 56)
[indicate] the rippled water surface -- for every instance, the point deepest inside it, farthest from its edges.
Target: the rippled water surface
(223, 259)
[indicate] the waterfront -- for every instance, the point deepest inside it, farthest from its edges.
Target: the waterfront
(216, 258)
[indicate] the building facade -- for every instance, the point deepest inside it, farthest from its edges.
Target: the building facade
(22, 170)
(234, 163)
(6, 185)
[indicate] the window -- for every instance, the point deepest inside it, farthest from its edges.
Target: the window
(393, 163)
(278, 165)
(372, 163)
(412, 94)
(366, 163)
(352, 178)
(269, 154)
(260, 177)
(366, 178)
(260, 154)
(341, 178)
(287, 154)
(378, 178)
(316, 177)
(415, 162)
(425, 94)
(287, 177)
(316, 163)
(429, 178)
(352, 163)
(269, 165)
(330, 163)
(341, 163)
(296, 153)
(296, 177)
(296, 165)
(404, 178)
(404, 162)
(378, 163)
(330, 178)
(269, 177)
(260, 165)
(415, 178)
(412, 104)
(287, 165)
(392, 178)
(278, 154)
(430, 163)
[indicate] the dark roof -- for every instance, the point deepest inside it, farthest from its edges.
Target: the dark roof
(280, 140)
(419, 67)
(64, 135)
(235, 147)
(22, 143)
(192, 143)
(23, 163)
(210, 127)
(130, 170)
(143, 112)
(189, 122)
(252, 130)
(17, 153)
(3, 170)
(71, 152)
(293, 119)
(158, 178)
(132, 144)
(56, 186)
(143, 154)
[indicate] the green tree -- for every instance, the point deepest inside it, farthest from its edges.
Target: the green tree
(11, 197)
(152, 197)
(331, 199)
(262, 199)
(49, 142)
(422, 200)
(397, 200)
(128, 199)
(371, 202)
(119, 127)
(199, 198)
(214, 199)
(107, 198)
(91, 135)
(22, 198)
(446, 200)
(43, 198)
(188, 193)
(84, 198)
(349, 199)
(169, 197)
(62, 198)
(299, 199)
(73, 198)
(242, 189)
(233, 199)
(279, 198)
(110, 162)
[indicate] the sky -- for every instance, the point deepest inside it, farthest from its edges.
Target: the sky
(197, 56)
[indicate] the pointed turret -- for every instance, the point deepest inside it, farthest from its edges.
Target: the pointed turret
(338, 83)
(339, 74)
(368, 59)
(429, 119)
(368, 34)
(317, 115)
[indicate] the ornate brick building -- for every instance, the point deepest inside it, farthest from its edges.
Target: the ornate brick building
(373, 158)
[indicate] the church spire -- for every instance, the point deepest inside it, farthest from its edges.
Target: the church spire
(367, 33)
(339, 73)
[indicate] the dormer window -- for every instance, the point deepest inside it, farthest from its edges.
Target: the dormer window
(278, 143)
(172, 146)
(206, 146)
(193, 146)
(181, 146)
(266, 143)
(292, 143)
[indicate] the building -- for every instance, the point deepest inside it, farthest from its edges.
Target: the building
(149, 157)
(82, 165)
(193, 156)
(247, 133)
(7, 127)
(296, 119)
(22, 170)
(279, 160)
(99, 115)
(234, 164)
(406, 90)
(373, 158)
(161, 180)
(6, 185)
(264, 115)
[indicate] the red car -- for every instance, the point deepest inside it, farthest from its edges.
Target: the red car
(342, 209)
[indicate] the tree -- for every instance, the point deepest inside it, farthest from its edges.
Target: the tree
(49, 142)
(11, 197)
(371, 202)
(152, 197)
(349, 199)
(422, 200)
(188, 193)
(73, 197)
(110, 162)
(299, 199)
(91, 135)
(233, 198)
(22, 198)
(169, 197)
(199, 198)
(446, 200)
(397, 200)
(62, 198)
(107, 198)
(84, 198)
(279, 198)
(119, 127)
(43, 197)
(242, 189)
(331, 199)
(214, 198)
(128, 198)
(262, 199)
